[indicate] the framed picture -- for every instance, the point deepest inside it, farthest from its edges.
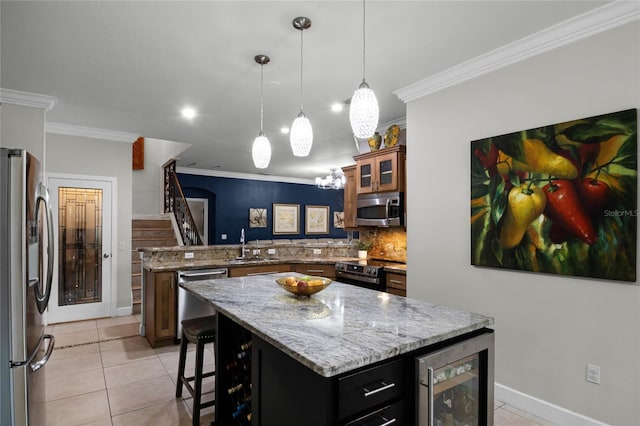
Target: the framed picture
(558, 199)
(338, 219)
(257, 218)
(316, 220)
(286, 219)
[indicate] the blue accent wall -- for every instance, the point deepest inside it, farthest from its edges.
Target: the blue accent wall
(231, 198)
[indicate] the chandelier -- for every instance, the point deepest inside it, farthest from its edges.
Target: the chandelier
(261, 150)
(335, 180)
(363, 111)
(301, 136)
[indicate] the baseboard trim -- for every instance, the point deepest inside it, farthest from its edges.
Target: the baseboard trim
(541, 408)
(124, 311)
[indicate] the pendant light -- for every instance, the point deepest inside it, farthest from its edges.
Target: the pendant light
(301, 135)
(363, 111)
(261, 150)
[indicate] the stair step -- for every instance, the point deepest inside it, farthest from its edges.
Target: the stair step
(151, 223)
(151, 232)
(136, 280)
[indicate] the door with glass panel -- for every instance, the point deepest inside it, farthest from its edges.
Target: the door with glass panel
(82, 221)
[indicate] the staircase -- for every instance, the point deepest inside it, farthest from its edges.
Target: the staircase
(147, 233)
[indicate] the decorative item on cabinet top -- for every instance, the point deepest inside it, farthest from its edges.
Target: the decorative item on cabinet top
(392, 135)
(375, 141)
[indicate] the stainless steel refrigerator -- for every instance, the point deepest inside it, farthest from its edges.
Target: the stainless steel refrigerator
(27, 253)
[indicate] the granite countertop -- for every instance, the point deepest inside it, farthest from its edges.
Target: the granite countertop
(179, 265)
(338, 329)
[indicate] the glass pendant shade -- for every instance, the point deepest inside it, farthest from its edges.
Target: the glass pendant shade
(364, 112)
(301, 136)
(261, 151)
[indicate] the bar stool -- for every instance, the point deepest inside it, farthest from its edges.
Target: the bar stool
(199, 331)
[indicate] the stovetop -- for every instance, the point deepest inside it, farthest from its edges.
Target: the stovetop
(368, 267)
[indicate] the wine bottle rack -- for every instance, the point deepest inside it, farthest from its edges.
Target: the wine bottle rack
(233, 364)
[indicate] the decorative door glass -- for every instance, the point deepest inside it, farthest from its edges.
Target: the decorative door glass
(79, 246)
(365, 175)
(386, 172)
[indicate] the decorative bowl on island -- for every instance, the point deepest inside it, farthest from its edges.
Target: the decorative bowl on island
(303, 286)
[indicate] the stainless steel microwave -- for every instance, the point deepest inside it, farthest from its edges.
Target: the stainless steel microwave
(382, 209)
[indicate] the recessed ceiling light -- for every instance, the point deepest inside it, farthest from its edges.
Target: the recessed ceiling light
(188, 113)
(284, 129)
(337, 107)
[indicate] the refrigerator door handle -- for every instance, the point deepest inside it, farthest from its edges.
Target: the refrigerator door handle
(43, 199)
(45, 358)
(38, 365)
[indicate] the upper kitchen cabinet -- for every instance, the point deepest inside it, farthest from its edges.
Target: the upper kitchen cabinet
(380, 171)
(350, 197)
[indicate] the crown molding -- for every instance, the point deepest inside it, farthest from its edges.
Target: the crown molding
(590, 23)
(90, 132)
(400, 121)
(249, 176)
(34, 100)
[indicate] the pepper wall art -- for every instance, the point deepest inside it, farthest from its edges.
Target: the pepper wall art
(558, 199)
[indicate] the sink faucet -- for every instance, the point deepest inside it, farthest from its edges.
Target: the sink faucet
(242, 250)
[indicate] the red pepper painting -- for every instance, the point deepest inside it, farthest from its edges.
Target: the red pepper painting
(559, 199)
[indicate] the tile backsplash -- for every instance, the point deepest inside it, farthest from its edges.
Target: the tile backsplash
(388, 243)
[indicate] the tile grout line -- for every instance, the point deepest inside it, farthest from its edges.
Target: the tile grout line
(95, 341)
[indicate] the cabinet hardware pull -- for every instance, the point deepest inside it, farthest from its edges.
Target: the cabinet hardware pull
(395, 281)
(315, 270)
(384, 386)
(386, 421)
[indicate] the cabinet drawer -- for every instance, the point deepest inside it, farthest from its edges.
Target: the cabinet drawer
(397, 281)
(377, 385)
(244, 271)
(390, 415)
(319, 270)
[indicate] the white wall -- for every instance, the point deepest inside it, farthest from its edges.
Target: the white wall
(547, 327)
(23, 127)
(148, 196)
(94, 157)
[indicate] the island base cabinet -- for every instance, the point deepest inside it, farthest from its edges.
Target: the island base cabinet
(286, 392)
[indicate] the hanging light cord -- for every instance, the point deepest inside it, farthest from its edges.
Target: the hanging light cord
(261, 97)
(301, 61)
(364, 39)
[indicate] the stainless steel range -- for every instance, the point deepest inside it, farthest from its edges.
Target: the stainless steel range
(363, 273)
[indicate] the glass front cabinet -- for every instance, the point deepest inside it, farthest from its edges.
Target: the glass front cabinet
(380, 171)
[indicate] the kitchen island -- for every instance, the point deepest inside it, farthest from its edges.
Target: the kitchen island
(308, 353)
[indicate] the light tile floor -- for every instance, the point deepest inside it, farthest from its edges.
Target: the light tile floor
(103, 373)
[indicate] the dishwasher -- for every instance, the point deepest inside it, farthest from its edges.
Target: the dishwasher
(190, 306)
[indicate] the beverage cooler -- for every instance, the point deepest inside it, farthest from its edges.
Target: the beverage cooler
(455, 384)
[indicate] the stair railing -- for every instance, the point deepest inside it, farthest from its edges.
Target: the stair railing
(176, 203)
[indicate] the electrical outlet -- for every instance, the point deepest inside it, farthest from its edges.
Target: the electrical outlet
(188, 255)
(223, 236)
(256, 252)
(317, 251)
(271, 251)
(593, 373)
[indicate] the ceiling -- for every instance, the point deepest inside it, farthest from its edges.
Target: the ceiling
(131, 66)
